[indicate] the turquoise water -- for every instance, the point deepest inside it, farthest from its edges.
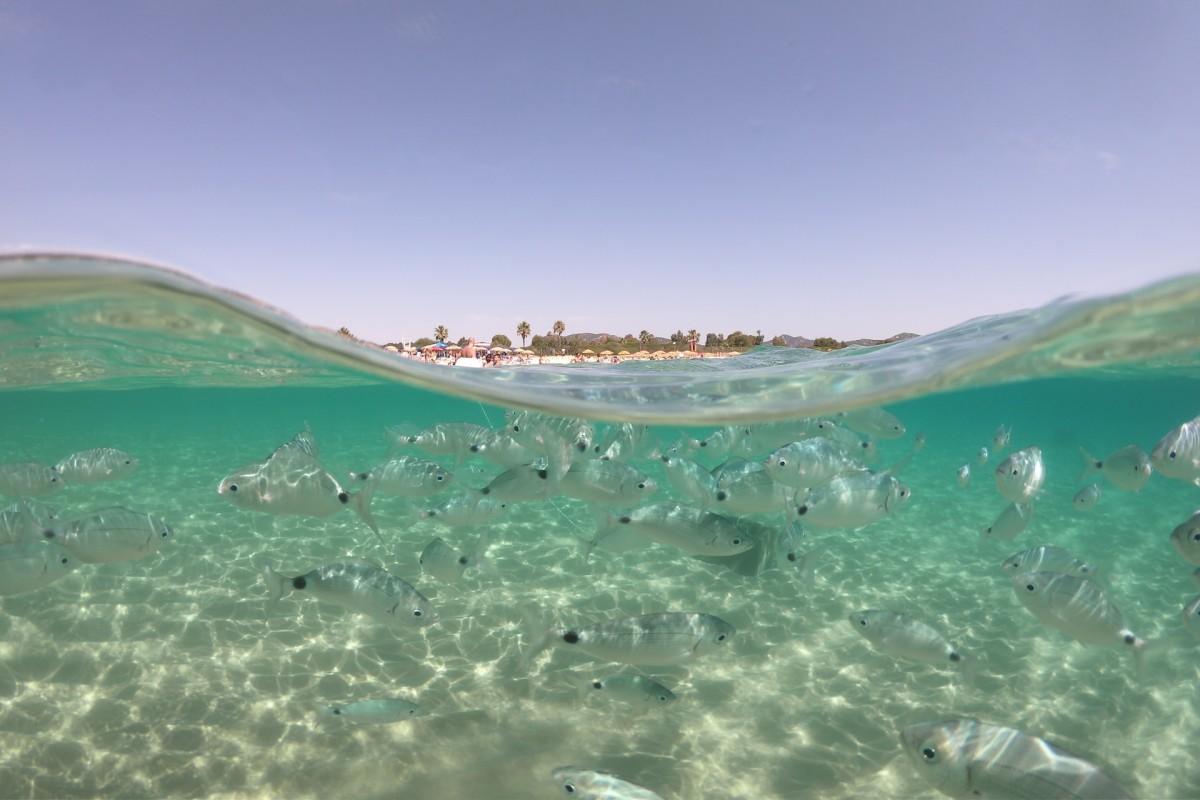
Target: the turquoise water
(175, 675)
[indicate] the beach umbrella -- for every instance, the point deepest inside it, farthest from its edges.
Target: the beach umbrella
(606, 352)
(499, 350)
(453, 347)
(623, 353)
(589, 352)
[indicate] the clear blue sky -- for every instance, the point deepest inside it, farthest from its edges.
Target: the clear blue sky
(845, 169)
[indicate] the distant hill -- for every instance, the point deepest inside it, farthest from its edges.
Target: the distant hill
(789, 340)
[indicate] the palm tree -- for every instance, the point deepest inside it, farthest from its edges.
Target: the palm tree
(441, 334)
(646, 338)
(523, 330)
(559, 329)
(693, 339)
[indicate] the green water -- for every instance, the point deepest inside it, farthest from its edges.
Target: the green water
(176, 676)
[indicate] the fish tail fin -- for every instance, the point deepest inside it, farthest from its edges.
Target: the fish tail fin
(1090, 463)
(276, 583)
(362, 507)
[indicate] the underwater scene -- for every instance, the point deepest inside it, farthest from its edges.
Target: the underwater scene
(241, 557)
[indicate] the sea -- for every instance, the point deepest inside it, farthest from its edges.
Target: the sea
(179, 674)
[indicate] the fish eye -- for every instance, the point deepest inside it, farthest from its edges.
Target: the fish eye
(49, 533)
(1171, 454)
(721, 638)
(233, 487)
(570, 787)
(597, 685)
(1030, 587)
(862, 622)
(1014, 472)
(665, 459)
(441, 477)
(791, 556)
(165, 533)
(1196, 536)
(705, 444)
(63, 559)
(929, 753)
(543, 474)
(418, 612)
(462, 560)
(737, 541)
(516, 428)
(721, 496)
(127, 461)
(641, 486)
(474, 448)
(866, 445)
(782, 463)
(343, 497)
(662, 697)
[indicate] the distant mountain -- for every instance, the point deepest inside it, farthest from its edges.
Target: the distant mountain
(796, 341)
(804, 341)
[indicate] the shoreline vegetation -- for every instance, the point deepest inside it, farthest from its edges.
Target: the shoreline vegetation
(605, 347)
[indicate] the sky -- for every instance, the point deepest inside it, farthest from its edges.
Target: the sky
(820, 168)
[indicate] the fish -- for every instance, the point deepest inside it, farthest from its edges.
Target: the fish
(1020, 476)
(853, 501)
(362, 587)
(1011, 522)
(689, 478)
(649, 640)
(982, 457)
(291, 481)
(964, 475)
(1185, 538)
(630, 688)
(541, 431)
(588, 784)
(503, 450)
(904, 637)
(621, 442)
(1047, 558)
(28, 566)
(692, 530)
(94, 466)
(1191, 617)
(26, 521)
(465, 510)
(810, 462)
(1128, 468)
(443, 562)
(1001, 437)
(606, 482)
(873, 422)
(29, 479)
(114, 534)
(1087, 497)
(744, 487)
(1177, 454)
(1076, 606)
(444, 439)
(521, 484)
(382, 711)
(966, 758)
(405, 476)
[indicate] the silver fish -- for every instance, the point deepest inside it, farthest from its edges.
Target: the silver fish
(445, 439)
(620, 443)
(692, 530)
(1186, 538)
(1087, 497)
(1079, 607)
(465, 509)
(810, 463)
(689, 478)
(966, 758)
(502, 449)
(982, 456)
(359, 586)
(114, 534)
(383, 711)
(964, 475)
(1191, 616)
(1177, 454)
(904, 637)
(1011, 522)
(521, 484)
(629, 688)
(873, 422)
(26, 566)
(1128, 468)
(292, 481)
(26, 521)
(587, 784)
(405, 476)
(541, 431)
(93, 466)
(606, 482)
(1047, 558)
(852, 501)
(1020, 476)
(447, 564)
(647, 640)
(28, 479)
(1001, 438)
(744, 487)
